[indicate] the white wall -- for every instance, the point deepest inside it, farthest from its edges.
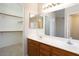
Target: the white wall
(69, 11)
(26, 26)
(30, 8)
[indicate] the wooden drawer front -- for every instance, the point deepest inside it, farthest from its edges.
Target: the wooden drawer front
(36, 48)
(33, 48)
(60, 52)
(32, 42)
(33, 51)
(57, 52)
(44, 53)
(44, 47)
(44, 50)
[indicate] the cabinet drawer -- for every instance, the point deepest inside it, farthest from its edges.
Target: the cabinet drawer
(33, 48)
(59, 52)
(56, 51)
(44, 53)
(33, 51)
(44, 47)
(44, 50)
(32, 42)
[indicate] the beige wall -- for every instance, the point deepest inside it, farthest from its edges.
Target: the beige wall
(75, 26)
(34, 8)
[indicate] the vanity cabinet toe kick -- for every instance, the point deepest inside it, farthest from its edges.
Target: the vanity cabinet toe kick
(36, 48)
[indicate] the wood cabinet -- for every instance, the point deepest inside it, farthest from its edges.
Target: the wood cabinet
(44, 50)
(60, 52)
(40, 49)
(33, 48)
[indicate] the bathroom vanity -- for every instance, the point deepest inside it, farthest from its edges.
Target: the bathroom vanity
(58, 38)
(43, 47)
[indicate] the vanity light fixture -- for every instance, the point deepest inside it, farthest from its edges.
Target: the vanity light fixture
(51, 5)
(55, 6)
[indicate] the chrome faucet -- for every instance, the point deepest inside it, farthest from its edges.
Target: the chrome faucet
(40, 36)
(69, 41)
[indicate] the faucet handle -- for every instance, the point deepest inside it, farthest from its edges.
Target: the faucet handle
(69, 42)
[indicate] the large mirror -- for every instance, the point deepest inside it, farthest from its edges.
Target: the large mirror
(55, 23)
(59, 23)
(73, 21)
(36, 22)
(63, 23)
(47, 25)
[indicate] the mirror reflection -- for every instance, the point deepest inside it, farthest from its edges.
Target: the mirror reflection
(55, 23)
(36, 22)
(59, 23)
(74, 32)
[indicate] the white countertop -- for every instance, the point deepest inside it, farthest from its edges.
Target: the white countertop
(58, 42)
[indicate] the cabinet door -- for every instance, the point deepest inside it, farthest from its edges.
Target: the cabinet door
(33, 48)
(59, 52)
(33, 51)
(44, 50)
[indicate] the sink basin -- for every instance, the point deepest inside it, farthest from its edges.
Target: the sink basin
(59, 41)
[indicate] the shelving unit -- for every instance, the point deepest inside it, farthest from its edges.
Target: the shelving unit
(10, 30)
(11, 15)
(11, 24)
(15, 10)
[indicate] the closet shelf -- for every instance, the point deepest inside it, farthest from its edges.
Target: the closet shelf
(10, 30)
(11, 15)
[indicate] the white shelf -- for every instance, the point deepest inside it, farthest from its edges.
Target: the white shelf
(11, 30)
(15, 10)
(10, 15)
